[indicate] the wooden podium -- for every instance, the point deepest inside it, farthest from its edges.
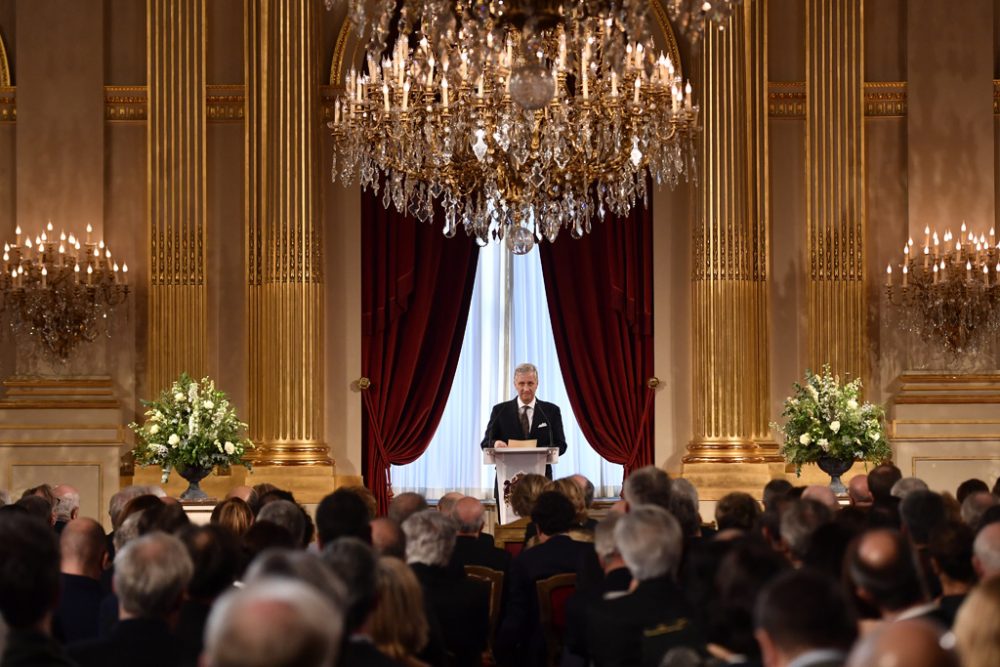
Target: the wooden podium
(513, 462)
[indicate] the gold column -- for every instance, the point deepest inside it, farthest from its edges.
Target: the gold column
(835, 176)
(285, 300)
(178, 333)
(730, 296)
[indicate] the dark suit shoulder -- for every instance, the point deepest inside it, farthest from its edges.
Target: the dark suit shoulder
(362, 653)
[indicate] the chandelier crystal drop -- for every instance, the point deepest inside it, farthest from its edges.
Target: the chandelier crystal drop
(693, 17)
(60, 291)
(510, 128)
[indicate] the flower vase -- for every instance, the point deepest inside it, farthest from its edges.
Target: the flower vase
(835, 468)
(194, 475)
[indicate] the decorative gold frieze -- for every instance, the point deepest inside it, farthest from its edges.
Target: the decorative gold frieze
(225, 103)
(8, 104)
(885, 99)
(125, 103)
(787, 99)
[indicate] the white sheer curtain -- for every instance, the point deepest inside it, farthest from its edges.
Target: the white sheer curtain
(452, 461)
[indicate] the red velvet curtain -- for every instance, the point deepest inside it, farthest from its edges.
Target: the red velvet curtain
(600, 295)
(416, 287)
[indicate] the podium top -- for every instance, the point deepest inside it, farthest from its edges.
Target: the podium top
(491, 454)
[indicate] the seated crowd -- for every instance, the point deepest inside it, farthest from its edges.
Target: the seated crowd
(899, 576)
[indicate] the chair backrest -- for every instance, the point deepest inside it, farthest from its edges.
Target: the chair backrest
(510, 537)
(552, 596)
(495, 580)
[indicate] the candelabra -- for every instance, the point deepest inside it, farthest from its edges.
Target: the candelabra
(60, 292)
(523, 145)
(949, 292)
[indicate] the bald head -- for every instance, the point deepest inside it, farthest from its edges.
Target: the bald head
(857, 491)
(986, 551)
(469, 515)
(83, 548)
(822, 494)
(447, 502)
(884, 570)
(912, 643)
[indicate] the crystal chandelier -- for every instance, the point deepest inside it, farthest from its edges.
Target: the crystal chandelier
(58, 291)
(949, 292)
(516, 125)
(694, 16)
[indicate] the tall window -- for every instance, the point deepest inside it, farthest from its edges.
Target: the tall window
(508, 324)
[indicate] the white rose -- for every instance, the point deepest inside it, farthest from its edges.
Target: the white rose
(852, 404)
(805, 439)
(875, 437)
(174, 440)
(230, 448)
(824, 444)
(179, 397)
(835, 426)
(208, 405)
(154, 429)
(813, 393)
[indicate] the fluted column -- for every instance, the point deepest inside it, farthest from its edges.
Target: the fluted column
(730, 297)
(835, 177)
(178, 295)
(283, 243)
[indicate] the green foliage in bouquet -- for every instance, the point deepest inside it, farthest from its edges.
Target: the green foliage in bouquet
(192, 424)
(825, 418)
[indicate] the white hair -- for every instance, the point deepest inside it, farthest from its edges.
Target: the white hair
(907, 485)
(127, 531)
(430, 538)
(273, 623)
(649, 540)
(684, 487)
(301, 566)
(604, 536)
(67, 502)
(526, 369)
(986, 549)
(151, 574)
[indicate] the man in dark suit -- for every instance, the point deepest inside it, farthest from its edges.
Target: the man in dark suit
(151, 575)
(84, 556)
(526, 417)
(469, 548)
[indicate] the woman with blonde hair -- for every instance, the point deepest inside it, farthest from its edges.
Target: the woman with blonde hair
(977, 626)
(399, 626)
(568, 487)
(234, 514)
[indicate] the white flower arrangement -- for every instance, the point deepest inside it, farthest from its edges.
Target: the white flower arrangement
(191, 425)
(825, 419)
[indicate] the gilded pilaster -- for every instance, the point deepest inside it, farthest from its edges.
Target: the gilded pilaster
(835, 176)
(176, 170)
(283, 241)
(730, 297)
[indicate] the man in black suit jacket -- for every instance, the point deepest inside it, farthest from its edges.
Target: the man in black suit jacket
(469, 548)
(508, 420)
(84, 556)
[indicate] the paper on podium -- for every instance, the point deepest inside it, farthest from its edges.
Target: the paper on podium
(522, 444)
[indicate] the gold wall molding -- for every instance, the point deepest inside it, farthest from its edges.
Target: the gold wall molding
(178, 294)
(225, 103)
(882, 99)
(8, 104)
(730, 299)
(125, 104)
(836, 327)
(284, 261)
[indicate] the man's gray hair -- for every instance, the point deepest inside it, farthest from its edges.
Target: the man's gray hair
(151, 574)
(986, 549)
(300, 566)
(907, 485)
(67, 502)
(975, 505)
(286, 514)
(798, 523)
(526, 369)
(430, 538)
(604, 536)
(648, 486)
(685, 488)
(127, 531)
(121, 498)
(273, 623)
(649, 540)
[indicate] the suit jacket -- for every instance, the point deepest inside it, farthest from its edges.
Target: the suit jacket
(77, 614)
(473, 551)
(30, 648)
(637, 629)
(462, 606)
(134, 641)
(361, 652)
(520, 639)
(546, 428)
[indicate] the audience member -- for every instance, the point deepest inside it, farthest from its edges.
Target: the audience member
(234, 515)
(640, 627)
(342, 513)
(522, 500)
(884, 571)
(447, 502)
(38, 507)
(881, 480)
(986, 551)
(273, 623)
(388, 538)
(774, 491)
(828, 545)
(115, 507)
(399, 625)
(968, 487)
(736, 510)
(469, 548)
(458, 603)
(858, 492)
(42, 491)
(909, 643)
(151, 575)
(304, 566)
(264, 535)
(29, 591)
(215, 558)
(582, 521)
(974, 506)
(804, 619)
(248, 495)
(822, 494)
(367, 497)
(949, 553)
(286, 514)
(798, 523)
(404, 505)
(354, 562)
(977, 626)
(587, 487)
(83, 557)
(647, 486)
(921, 513)
(165, 517)
(908, 485)
(686, 513)
(67, 505)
